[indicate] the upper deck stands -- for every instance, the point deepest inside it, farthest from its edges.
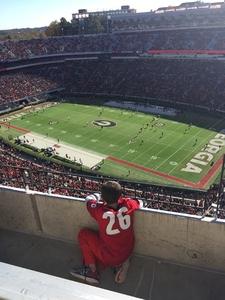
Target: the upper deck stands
(160, 39)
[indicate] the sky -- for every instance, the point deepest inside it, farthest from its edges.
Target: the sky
(38, 13)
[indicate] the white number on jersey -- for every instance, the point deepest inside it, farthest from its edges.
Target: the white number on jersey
(124, 221)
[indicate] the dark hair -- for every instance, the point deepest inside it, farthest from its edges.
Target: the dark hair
(111, 191)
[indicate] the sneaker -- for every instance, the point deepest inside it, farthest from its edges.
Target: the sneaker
(85, 273)
(121, 273)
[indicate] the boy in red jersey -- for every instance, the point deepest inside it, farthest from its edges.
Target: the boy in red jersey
(113, 244)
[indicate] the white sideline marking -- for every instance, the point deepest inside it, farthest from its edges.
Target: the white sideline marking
(77, 135)
(63, 131)
(87, 157)
(112, 145)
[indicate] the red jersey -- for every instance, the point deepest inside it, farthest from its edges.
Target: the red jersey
(115, 225)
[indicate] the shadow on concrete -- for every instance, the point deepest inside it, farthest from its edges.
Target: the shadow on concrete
(148, 278)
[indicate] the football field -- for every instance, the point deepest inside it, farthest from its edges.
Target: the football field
(185, 150)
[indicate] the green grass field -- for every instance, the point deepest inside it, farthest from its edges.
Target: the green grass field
(164, 146)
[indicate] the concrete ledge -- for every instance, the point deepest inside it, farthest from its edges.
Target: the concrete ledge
(148, 278)
(180, 238)
(19, 283)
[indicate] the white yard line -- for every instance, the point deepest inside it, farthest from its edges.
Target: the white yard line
(148, 149)
(28, 111)
(189, 154)
(193, 136)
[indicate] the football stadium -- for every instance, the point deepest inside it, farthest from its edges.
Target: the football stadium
(179, 149)
(141, 103)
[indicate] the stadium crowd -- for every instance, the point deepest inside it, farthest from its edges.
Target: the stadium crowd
(15, 86)
(193, 39)
(20, 170)
(191, 82)
(178, 81)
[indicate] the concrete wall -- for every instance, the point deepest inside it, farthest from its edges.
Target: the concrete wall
(170, 236)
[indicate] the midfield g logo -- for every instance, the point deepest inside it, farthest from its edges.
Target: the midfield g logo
(104, 123)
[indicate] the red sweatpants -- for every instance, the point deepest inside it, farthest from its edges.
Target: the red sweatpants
(94, 251)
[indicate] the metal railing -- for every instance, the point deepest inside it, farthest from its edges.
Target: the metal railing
(220, 206)
(79, 185)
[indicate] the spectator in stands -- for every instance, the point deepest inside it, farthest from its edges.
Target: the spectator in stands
(112, 246)
(187, 81)
(53, 178)
(16, 86)
(199, 38)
